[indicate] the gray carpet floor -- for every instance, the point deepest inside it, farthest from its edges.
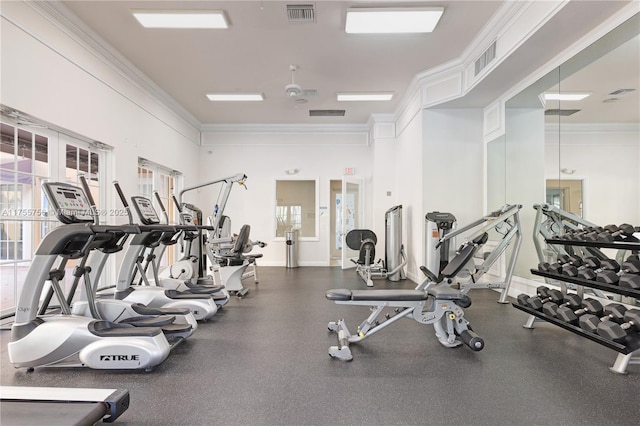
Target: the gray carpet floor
(263, 360)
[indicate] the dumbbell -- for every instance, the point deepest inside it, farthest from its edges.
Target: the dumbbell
(554, 268)
(576, 264)
(589, 306)
(570, 300)
(579, 234)
(590, 273)
(614, 312)
(618, 332)
(544, 295)
(613, 232)
(612, 277)
(589, 270)
(630, 281)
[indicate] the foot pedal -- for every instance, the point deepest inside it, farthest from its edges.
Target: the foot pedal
(343, 353)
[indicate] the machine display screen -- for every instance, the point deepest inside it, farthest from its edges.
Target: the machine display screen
(69, 195)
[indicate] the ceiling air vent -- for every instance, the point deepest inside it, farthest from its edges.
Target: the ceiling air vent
(621, 92)
(326, 113)
(301, 12)
(561, 112)
(484, 59)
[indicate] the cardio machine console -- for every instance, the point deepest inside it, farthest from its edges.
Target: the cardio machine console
(70, 204)
(145, 210)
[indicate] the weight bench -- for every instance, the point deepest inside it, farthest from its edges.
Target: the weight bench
(433, 301)
(364, 241)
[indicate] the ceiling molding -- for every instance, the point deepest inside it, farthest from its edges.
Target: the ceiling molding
(566, 128)
(84, 36)
(507, 17)
(285, 128)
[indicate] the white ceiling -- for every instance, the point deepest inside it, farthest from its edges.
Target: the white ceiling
(254, 54)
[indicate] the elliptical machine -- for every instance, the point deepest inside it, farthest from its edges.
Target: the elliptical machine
(201, 306)
(39, 339)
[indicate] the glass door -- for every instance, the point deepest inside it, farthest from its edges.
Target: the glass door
(350, 208)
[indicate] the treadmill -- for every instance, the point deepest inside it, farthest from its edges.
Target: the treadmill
(60, 406)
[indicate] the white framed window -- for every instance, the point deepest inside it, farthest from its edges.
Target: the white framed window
(29, 156)
(154, 177)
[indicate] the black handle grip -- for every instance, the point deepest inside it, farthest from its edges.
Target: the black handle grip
(159, 200)
(120, 194)
(92, 202)
(472, 340)
(175, 201)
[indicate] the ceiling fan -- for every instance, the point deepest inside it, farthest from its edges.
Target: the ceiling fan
(294, 90)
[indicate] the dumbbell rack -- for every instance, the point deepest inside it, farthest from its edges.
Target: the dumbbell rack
(629, 352)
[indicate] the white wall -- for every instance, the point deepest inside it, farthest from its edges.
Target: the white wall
(607, 158)
(57, 77)
(452, 164)
(264, 157)
(408, 169)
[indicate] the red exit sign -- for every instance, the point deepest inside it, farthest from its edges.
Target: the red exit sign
(349, 171)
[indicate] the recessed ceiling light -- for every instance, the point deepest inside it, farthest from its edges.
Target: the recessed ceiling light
(181, 18)
(565, 96)
(365, 96)
(393, 20)
(229, 97)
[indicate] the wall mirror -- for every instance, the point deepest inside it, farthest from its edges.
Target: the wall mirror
(296, 202)
(581, 155)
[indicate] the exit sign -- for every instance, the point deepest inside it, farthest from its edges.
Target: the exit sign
(349, 171)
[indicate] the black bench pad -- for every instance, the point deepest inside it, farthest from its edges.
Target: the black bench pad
(376, 295)
(448, 293)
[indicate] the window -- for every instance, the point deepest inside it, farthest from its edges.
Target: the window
(153, 177)
(296, 202)
(28, 157)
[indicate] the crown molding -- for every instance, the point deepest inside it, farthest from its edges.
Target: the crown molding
(566, 128)
(453, 71)
(285, 128)
(65, 20)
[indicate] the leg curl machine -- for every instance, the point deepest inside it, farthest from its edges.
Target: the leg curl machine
(433, 301)
(364, 240)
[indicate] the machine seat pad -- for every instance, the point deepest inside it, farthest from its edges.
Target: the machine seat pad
(377, 295)
(155, 321)
(202, 288)
(233, 260)
(174, 294)
(175, 328)
(141, 309)
(110, 329)
(338, 294)
(443, 292)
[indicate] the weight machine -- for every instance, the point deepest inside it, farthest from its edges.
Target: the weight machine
(505, 221)
(365, 240)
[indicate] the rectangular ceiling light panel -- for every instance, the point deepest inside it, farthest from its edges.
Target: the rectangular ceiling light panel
(365, 96)
(230, 97)
(181, 18)
(565, 96)
(392, 20)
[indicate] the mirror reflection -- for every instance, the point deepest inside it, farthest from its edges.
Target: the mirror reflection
(572, 139)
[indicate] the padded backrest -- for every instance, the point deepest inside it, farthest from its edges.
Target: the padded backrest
(465, 254)
(356, 237)
(242, 240)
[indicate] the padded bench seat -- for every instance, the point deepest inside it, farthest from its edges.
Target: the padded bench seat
(342, 294)
(448, 293)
